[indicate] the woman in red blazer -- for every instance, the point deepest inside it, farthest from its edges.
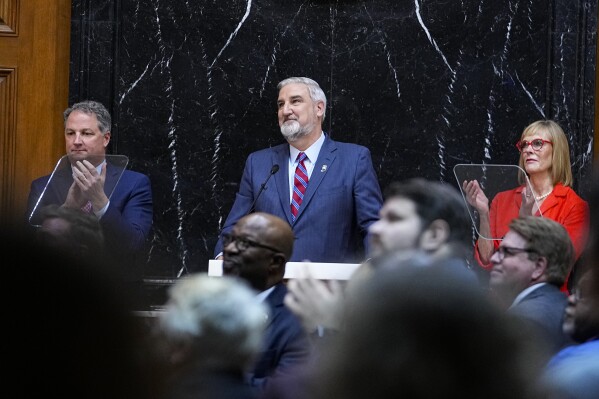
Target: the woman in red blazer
(545, 156)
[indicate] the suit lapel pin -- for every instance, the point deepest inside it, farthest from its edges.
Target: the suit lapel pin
(324, 168)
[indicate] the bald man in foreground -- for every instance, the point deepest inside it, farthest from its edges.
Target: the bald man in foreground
(257, 250)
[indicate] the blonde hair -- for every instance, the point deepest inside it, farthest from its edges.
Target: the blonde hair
(561, 172)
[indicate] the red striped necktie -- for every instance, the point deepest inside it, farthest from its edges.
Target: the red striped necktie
(300, 183)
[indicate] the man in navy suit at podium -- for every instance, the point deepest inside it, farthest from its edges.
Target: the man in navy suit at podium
(120, 199)
(326, 190)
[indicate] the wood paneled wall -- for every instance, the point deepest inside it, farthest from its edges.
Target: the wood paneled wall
(34, 85)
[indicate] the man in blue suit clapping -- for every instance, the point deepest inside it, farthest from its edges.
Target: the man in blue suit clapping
(120, 199)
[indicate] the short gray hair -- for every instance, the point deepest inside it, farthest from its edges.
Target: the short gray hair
(92, 107)
(316, 93)
(220, 317)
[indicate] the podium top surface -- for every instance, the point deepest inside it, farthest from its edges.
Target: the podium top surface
(320, 271)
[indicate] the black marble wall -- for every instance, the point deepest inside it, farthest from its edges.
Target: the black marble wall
(424, 84)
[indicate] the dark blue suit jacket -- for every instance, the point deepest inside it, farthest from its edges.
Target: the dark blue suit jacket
(342, 200)
(127, 222)
(544, 309)
(286, 344)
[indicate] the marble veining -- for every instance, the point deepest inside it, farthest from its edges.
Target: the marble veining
(425, 85)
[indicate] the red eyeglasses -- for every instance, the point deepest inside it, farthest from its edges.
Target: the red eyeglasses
(536, 144)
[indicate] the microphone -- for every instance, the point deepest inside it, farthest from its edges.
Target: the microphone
(273, 170)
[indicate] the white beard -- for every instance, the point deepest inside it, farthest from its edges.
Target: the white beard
(292, 130)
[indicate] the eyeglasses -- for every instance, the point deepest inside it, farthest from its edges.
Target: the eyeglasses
(502, 252)
(243, 244)
(536, 144)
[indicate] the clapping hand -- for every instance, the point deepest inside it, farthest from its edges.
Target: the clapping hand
(528, 203)
(315, 302)
(476, 196)
(88, 185)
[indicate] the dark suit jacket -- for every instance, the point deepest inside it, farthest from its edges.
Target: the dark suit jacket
(127, 222)
(342, 200)
(544, 309)
(216, 384)
(286, 344)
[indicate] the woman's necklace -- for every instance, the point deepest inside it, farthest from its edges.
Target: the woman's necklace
(542, 197)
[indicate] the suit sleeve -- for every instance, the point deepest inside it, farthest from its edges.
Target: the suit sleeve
(576, 224)
(505, 207)
(494, 215)
(367, 194)
(241, 206)
(294, 351)
(131, 227)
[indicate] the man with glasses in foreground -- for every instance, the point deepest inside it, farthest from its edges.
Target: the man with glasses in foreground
(529, 266)
(257, 250)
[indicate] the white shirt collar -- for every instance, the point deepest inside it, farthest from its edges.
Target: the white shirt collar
(525, 292)
(261, 297)
(311, 152)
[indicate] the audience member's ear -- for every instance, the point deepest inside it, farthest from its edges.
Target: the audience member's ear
(435, 235)
(539, 268)
(278, 264)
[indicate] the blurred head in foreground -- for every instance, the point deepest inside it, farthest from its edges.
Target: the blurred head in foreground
(421, 332)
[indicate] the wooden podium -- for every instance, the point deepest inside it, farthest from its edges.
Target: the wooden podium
(320, 271)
